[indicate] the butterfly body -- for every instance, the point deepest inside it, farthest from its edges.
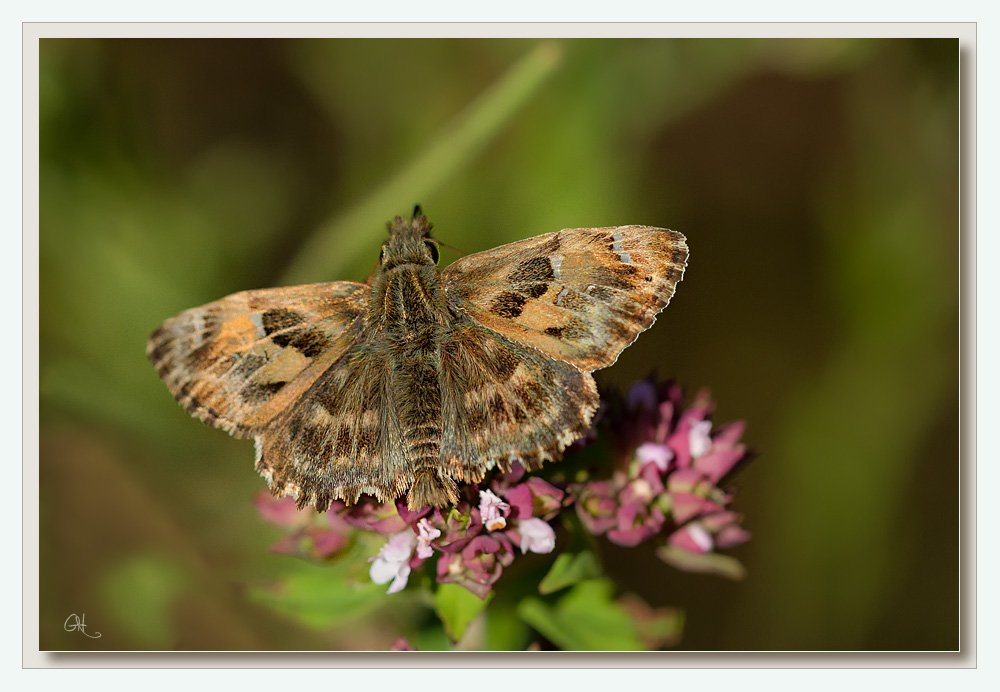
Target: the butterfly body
(420, 378)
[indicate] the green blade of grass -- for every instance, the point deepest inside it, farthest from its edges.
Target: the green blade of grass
(341, 242)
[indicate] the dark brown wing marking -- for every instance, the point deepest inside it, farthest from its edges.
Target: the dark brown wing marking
(342, 438)
(579, 295)
(238, 362)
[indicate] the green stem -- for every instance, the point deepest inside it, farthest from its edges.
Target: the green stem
(342, 242)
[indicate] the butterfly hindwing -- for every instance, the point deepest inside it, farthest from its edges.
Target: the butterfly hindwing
(579, 295)
(239, 362)
(342, 438)
(503, 401)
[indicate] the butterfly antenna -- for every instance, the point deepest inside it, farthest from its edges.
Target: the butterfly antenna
(446, 246)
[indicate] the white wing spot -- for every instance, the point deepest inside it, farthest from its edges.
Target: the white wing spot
(556, 262)
(255, 318)
(617, 249)
(199, 329)
(560, 296)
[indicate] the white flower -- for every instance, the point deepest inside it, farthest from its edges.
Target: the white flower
(536, 536)
(427, 534)
(698, 440)
(490, 508)
(393, 561)
(658, 454)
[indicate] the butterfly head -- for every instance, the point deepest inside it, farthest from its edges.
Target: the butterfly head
(409, 242)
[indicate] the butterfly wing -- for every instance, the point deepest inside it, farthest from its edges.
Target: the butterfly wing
(579, 295)
(503, 401)
(343, 437)
(239, 362)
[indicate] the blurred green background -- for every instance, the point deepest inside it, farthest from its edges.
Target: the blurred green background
(816, 182)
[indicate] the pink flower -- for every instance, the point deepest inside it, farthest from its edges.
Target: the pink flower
(534, 497)
(536, 536)
(427, 534)
(492, 510)
(393, 561)
(692, 537)
(663, 484)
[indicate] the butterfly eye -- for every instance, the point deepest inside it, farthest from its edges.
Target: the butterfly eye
(432, 248)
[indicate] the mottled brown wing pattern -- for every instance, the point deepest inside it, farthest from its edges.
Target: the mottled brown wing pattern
(503, 402)
(579, 295)
(239, 362)
(341, 438)
(419, 378)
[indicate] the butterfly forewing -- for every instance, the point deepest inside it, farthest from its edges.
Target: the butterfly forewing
(580, 295)
(239, 362)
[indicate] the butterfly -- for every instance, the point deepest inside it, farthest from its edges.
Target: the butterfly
(420, 378)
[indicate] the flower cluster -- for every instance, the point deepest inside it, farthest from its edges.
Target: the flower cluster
(660, 484)
(669, 463)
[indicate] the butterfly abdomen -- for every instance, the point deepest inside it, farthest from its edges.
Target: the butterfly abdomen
(417, 382)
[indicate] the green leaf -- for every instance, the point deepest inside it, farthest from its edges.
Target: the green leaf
(431, 637)
(457, 607)
(708, 563)
(505, 631)
(568, 570)
(585, 619)
(323, 596)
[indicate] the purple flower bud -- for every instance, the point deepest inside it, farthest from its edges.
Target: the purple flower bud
(719, 461)
(479, 564)
(687, 506)
(325, 542)
(458, 525)
(636, 522)
(641, 395)
(596, 505)
(369, 515)
(281, 511)
(410, 517)
(401, 644)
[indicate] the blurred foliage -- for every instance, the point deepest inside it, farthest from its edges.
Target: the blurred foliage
(587, 619)
(568, 569)
(816, 181)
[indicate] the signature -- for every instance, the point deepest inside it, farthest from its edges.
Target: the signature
(78, 623)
